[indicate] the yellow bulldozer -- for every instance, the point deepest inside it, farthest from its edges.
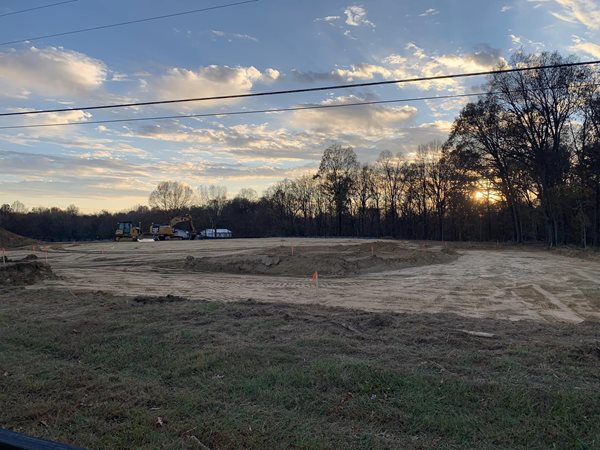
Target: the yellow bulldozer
(127, 231)
(157, 232)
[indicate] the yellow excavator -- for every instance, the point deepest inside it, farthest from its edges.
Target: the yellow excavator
(157, 232)
(164, 232)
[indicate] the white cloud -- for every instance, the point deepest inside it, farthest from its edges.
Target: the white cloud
(51, 72)
(416, 51)
(271, 75)
(207, 81)
(117, 76)
(246, 141)
(414, 63)
(505, 8)
(362, 72)
(363, 120)
(429, 12)
(581, 45)
(356, 16)
(520, 42)
(586, 12)
(231, 36)
(327, 19)
(394, 59)
(348, 34)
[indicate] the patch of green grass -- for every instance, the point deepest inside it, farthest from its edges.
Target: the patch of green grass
(266, 376)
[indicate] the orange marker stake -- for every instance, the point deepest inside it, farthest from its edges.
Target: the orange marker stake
(315, 279)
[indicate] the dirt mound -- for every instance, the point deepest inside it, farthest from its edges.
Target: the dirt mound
(329, 261)
(12, 240)
(24, 273)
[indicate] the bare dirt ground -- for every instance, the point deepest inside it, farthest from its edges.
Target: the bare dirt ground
(404, 345)
(377, 276)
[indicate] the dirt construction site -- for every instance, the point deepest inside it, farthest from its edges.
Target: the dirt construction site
(373, 276)
(300, 343)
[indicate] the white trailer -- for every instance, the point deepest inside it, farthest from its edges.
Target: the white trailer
(216, 233)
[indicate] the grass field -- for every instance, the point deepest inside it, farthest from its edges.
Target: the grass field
(98, 370)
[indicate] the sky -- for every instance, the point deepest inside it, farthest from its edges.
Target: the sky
(260, 46)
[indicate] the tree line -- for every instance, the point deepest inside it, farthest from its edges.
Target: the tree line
(521, 163)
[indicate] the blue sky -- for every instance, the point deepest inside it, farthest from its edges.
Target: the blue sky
(270, 44)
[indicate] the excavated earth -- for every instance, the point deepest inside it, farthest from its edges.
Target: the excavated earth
(328, 261)
(25, 272)
(497, 282)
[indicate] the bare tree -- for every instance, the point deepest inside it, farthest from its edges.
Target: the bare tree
(18, 208)
(337, 174)
(247, 194)
(391, 170)
(171, 196)
(540, 104)
(365, 187)
(213, 198)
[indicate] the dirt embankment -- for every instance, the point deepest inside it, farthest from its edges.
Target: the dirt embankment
(328, 261)
(12, 240)
(24, 272)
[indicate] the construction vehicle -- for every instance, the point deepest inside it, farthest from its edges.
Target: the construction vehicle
(127, 231)
(157, 232)
(168, 232)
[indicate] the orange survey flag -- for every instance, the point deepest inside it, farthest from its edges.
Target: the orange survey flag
(315, 277)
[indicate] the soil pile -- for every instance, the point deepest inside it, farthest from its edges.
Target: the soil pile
(12, 240)
(25, 273)
(329, 261)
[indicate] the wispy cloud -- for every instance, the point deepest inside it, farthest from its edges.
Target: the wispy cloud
(586, 12)
(429, 12)
(327, 19)
(232, 36)
(356, 16)
(581, 45)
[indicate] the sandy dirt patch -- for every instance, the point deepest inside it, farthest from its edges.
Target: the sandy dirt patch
(500, 284)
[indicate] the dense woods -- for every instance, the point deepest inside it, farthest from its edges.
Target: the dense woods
(520, 164)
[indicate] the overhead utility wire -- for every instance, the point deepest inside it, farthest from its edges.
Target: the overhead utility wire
(129, 22)
(239, 113)
(35, 8)
(303, 90)
(260, 111)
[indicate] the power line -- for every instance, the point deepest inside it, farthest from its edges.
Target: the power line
(303, 90)
(255, 111)
(37, 7)
(129, 22)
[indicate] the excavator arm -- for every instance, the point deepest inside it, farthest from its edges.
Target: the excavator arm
(180, 219)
